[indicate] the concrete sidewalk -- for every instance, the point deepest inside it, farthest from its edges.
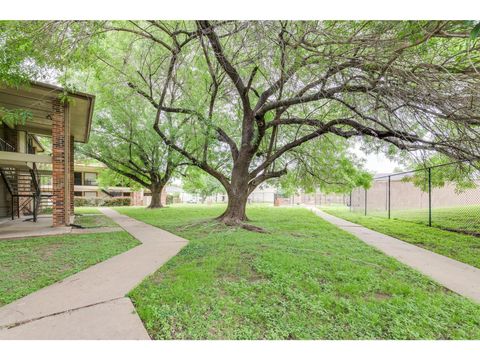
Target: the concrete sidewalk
(91, 304)
(454, 275)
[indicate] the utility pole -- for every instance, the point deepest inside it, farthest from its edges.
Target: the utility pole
(429, 196)
(365, 202)
(389, 197)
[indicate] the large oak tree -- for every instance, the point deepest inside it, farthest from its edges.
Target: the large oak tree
(251, 95)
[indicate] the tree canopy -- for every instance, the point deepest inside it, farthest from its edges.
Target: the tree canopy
(122, 139)
(252, 101)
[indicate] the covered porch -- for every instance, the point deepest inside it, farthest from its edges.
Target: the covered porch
(22, 228)
(64, 117)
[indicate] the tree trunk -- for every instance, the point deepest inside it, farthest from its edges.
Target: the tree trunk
(237, 198)
(156, 202)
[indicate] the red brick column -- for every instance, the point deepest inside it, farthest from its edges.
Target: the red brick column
(59, 164)
(72, 193)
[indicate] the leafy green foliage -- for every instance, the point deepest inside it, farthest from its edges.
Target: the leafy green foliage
(108, 178)
(14, 116)
(200, 183)
(123, 138)
(463, 175)
(324, 164)
(304, 279)
(476, 31)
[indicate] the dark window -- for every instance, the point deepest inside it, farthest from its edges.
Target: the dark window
(90, 179)
(77, 193)
(77, 178)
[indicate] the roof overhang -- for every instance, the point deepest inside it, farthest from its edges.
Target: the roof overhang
(37, 98)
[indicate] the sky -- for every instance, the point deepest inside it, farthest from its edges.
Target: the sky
(378, 163)
(375, 163)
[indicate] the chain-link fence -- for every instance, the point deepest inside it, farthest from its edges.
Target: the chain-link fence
(316, 199)
(445, 196)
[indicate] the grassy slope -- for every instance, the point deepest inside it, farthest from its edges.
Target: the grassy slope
(80, 210)
(92, 217)
(305, 279)
(464, 248)
(461, 217)
(27, 265)
(94, 221)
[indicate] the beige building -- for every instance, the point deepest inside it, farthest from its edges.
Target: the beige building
(86, 183)
(86, 187)
(405, 195)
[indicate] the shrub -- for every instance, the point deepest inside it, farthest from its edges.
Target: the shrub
(118, 201)
(97, 201)
(81, 202)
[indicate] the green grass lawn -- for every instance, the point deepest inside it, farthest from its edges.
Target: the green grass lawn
(94, 221)
(27, 265)
(464, 248)
(304, 279)
(92, 217)
(466, 218)
(458, 218)
(81, 210)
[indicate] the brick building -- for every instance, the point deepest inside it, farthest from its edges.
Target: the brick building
(22, 162)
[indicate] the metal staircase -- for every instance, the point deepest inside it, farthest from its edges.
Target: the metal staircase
(23, 182)
(24, 190)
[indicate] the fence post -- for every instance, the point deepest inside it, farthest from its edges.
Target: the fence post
(429, 196)
(389, 197)
(365, 201)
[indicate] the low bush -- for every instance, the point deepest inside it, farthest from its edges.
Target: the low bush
(97, 201)
(118, 201)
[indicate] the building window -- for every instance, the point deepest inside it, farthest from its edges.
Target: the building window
(77, 193)
(90, 179)
(77, 178)
(90, 194)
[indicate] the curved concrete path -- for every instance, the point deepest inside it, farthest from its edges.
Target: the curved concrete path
(454, 275)
(92, 304)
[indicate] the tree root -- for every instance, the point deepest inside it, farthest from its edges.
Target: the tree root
(155, 207)
(253, 228)
(241, 224)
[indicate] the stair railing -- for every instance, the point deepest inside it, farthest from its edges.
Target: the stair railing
(5, 146)
(37, 191)
(10, 191)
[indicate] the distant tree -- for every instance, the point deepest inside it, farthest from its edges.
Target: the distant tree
(109, 178)
(121, 139)
(198, 182)
(323, 165)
